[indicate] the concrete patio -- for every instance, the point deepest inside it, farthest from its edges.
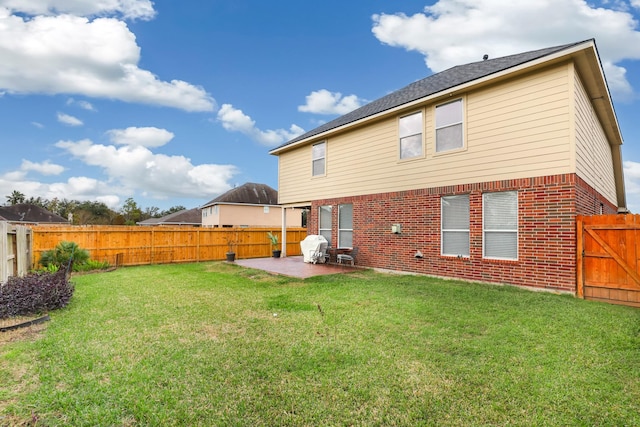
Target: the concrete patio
(294, 266)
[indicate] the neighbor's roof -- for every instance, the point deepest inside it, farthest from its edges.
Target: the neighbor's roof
(183, 217)
(431, 85)
(24, 212)
(249, 193)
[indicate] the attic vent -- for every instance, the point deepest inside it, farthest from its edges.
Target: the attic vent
(485, 57)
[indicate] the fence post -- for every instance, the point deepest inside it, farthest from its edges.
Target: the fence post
(4, 271)
(23, 249)
(579, 257)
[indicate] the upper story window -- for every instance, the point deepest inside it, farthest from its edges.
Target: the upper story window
(449, 126)
(318, 158)
(500, 225)
(410, 131)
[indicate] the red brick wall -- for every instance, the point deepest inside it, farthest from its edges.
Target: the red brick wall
(546, 230)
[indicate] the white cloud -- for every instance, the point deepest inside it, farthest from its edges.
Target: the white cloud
(96, 58)
(38, 125)
(324, 102)
(135, 167)
(235, 120)
(499, 28)
(69, 120)
(143, 136)
(129, 9)
(85, 105)
(45, 168)
(632, 185)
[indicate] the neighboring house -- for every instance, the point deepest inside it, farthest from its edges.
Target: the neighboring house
(186, 217)
(24, 213)
(250, 205)
(477, 172)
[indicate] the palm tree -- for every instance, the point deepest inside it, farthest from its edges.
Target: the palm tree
(15, 198)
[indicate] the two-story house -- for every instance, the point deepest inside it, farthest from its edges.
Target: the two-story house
(476, 172)
(249, 205)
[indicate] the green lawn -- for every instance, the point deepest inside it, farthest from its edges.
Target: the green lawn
(215, 344)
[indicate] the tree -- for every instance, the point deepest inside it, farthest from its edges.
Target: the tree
(131, 211)
(171, 210)
(151, 212)
(38, 201)
(15, 198)
(93, 213)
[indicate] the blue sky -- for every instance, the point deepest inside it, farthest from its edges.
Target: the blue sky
(174, 102)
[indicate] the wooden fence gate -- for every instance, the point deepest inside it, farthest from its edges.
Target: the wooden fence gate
(608, 249)
(15, 250)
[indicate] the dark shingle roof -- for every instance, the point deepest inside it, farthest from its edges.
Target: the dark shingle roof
(249, 193)
(183, 217)
(24, 212)
(431, 85)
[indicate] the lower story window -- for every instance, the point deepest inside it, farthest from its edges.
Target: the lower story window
(324, 219)
(455, 225)
(345, 226)
(500, 225)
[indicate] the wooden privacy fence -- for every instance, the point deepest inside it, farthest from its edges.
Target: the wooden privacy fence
(608, 249)
(15, 250)
(122, 245)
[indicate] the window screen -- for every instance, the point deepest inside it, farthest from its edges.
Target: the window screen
(410, 135)
(500, 225)
(449, 120)
(345, 226)
(455, 225)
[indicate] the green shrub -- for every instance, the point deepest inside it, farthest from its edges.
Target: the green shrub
(63, 254)
(91, 264)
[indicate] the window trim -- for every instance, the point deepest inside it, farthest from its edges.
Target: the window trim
(516, 230)
(462, 100)
(422, 133)
(323, 158)
(455, 230)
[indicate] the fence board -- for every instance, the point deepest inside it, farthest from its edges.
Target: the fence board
(15, 250)
(127, 245)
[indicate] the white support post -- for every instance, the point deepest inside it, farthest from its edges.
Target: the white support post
(284, 232)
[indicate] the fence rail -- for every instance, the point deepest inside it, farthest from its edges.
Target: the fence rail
(123, 245)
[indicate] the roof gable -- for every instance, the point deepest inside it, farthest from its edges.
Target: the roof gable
(249, 193)
(431, 85)
(24, 212)
(184, 217)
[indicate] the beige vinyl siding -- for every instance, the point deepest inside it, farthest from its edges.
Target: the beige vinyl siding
(252, 216)
(594, 161)
(520, 128)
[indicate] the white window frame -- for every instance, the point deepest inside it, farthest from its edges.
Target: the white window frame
(319, 158)
(446, 231)
(449, 125)
(506, 223)
(405, 135)
(345, 229)
(324, 231)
